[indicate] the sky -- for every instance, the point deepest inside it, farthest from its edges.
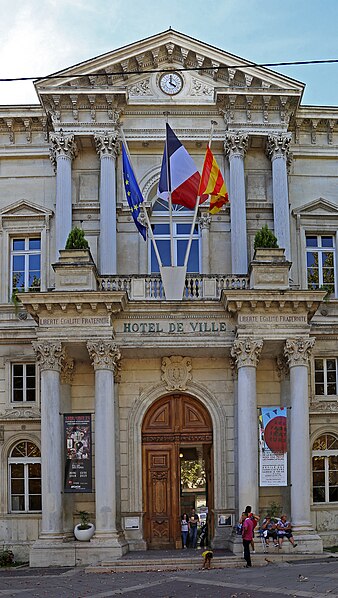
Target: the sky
(40, 37)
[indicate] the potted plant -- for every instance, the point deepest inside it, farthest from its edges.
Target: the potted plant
(265, 239)
(84, 531)
(76, 239)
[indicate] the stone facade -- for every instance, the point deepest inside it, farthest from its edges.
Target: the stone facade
(253, 330)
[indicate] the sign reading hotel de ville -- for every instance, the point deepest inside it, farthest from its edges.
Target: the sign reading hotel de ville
(78, 453)
(272, 424)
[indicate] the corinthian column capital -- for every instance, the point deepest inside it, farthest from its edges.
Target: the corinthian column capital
(105, 355)
(107, 144)
(236, 144)
(62, 145)
(246, 352)
(278, 146)
(49, 356)
(298, 350)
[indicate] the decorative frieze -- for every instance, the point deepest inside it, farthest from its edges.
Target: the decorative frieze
(176, 372)
(105, 355)
(106, 144)
(282, 366)
(278, 146)
(67, 370)
(246, 352)
(324, 406)
(49, 355)
(236, 144)
(298, 350)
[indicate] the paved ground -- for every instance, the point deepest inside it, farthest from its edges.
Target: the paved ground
(272, 580)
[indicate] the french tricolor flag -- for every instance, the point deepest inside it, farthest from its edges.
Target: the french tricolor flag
(184, 178)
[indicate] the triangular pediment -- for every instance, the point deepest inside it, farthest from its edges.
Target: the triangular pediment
(25, 209)
(319, 207)
(130, 71)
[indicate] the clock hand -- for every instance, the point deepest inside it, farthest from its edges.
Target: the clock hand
(171, 82)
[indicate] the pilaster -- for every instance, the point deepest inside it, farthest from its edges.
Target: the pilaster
(235, 146)
(107, 148)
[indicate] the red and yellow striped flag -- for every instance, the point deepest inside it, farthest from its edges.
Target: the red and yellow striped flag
(212, 183)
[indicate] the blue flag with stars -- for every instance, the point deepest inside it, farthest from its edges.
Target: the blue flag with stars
(133, 193)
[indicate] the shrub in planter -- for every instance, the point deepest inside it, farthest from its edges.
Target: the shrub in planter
(84, 531)
(76, 239)
(265, 239)
(6, 558)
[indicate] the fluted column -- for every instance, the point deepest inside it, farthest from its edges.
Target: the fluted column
(204, 223)
(62, 152)
(277, 149)
(246, 354)
(235, 148)
(105, 356)
(297, 352)
(106, 147)
(50, 356)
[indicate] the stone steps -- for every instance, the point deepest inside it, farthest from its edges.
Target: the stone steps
(163, 564)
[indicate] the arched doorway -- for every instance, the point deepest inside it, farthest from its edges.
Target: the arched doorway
(177, 467)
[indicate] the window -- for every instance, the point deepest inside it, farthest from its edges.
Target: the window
(25, 264)
(321, 262)
(326, 376)
(23, 383)
(325, 469)
(182, 220)
(24, 466)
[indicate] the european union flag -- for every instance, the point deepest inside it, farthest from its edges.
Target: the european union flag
(133, 193)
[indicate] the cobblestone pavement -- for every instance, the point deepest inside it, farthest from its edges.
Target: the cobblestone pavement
(305, 579)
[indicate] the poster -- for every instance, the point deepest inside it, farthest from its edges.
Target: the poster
(78, 453)
(272, 422)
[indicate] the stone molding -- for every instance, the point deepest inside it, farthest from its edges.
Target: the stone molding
(49, 355)
(205, 221)
(107, 144)
(324, 406)
(246, 352)
(62, 146)
(67, 370)
(278, 146)
(282, 366)
(105, 355)
(20, 413)
(176, 372)
(236, 145)
(298, 350)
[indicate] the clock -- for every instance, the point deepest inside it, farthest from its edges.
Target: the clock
(171, 83)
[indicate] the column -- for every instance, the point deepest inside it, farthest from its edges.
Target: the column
(246, 354)
(297, 352)
(105, 356)
(277, 149)
(106, 147)
(235, 148)
(66, 379)
(50, 356)
(204, 223)
(63, 151)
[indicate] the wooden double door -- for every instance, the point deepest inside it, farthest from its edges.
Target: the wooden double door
(172, 425)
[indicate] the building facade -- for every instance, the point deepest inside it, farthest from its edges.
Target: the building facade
(172, 389)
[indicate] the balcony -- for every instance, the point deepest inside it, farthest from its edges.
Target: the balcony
(197, 287)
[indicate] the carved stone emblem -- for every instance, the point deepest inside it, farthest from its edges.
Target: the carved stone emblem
(176, 372)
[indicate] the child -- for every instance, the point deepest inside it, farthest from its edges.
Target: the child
(207, 556)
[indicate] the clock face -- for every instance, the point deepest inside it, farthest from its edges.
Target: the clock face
(171, 83)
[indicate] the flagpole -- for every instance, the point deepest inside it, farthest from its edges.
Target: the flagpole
(213, 123)
(169, 194)
(150, 230)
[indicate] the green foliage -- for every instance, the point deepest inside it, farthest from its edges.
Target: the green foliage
(76, 239)
(84, 518)
(274, 510)
(6, 558)
(192, 474)
(265, 238)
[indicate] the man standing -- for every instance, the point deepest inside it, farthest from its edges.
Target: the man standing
(193, 520)
(247, 535)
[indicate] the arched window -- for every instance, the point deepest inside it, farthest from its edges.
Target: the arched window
(24, 470)
(182, 220)
(325, 468)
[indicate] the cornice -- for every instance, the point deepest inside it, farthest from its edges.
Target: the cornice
(78, 303)
(272, 301)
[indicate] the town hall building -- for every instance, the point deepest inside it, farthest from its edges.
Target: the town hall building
(127, 404)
